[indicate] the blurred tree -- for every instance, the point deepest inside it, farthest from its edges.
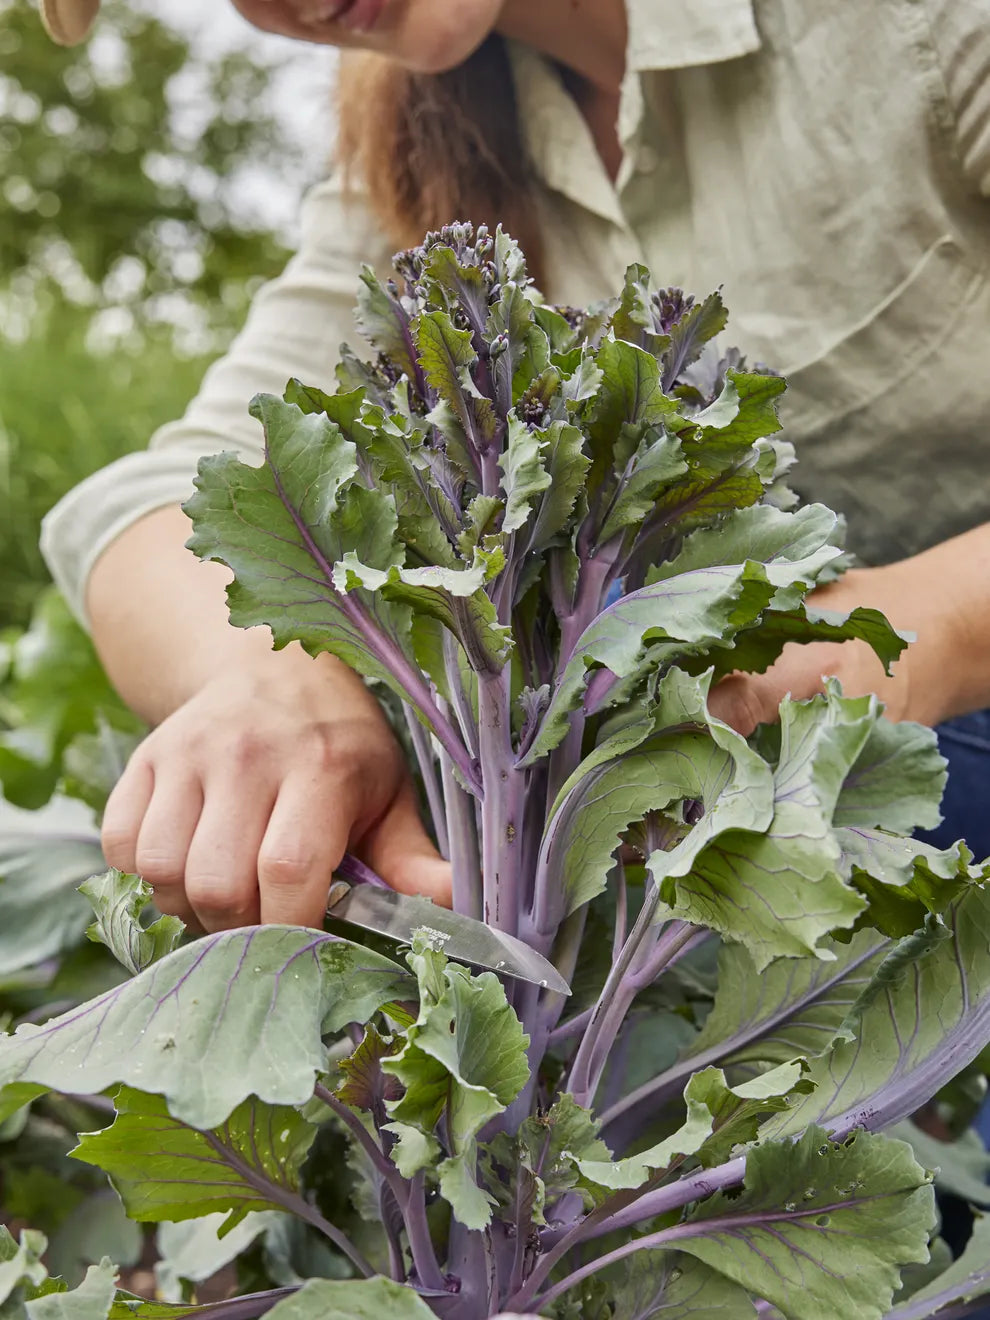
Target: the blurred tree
(125, 259)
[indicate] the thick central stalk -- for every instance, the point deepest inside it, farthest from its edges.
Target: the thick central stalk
(502, 805)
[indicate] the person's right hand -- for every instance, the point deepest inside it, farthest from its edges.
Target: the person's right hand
(237, 808)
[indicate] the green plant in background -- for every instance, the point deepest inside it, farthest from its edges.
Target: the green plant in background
(546, 533)
(124, 263)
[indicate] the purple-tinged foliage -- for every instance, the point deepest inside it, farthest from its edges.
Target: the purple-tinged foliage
(545, 532)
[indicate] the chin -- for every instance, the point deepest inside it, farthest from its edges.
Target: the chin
(432, 36)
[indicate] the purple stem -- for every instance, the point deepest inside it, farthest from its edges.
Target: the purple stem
(427, 768)
(292, 1202)
(664, 1238)
(462, 835)
(572, 1027)
(246, 1307)
(694, 1187)
(365, 1140)
(458, 696)
(621, 909)
(502, 804)
(586, 1069)
(418, 1232)
(654, 1093)
(381, 646)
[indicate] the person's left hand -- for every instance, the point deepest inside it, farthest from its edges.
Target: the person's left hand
(920, 687)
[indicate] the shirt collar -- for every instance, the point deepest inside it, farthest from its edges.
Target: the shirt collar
(663, 34)
(672, 34)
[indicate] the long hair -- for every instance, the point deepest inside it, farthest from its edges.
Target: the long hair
(432, 148)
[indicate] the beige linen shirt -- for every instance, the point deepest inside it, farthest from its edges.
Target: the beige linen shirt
(827, 163)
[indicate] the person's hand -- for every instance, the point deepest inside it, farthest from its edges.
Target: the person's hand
(238, 806)
(922, 683)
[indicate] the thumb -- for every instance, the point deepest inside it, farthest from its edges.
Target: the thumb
(402, 853)
(743, 702)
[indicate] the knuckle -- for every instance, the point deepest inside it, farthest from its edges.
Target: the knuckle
(158, 868)
(282, 870)
(216, 897)
(117, 843)
(244, 749)
(326, 746)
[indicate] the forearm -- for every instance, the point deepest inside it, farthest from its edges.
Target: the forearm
(159, 622)
(943, 596)
(956, 576)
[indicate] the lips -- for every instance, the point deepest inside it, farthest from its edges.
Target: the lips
(361, 15)
(355, 15)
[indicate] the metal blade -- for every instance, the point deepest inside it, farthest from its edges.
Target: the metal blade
(399, 916)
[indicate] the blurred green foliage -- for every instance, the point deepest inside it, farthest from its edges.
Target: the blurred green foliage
(124, 262)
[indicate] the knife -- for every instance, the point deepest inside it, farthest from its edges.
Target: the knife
(363, 899)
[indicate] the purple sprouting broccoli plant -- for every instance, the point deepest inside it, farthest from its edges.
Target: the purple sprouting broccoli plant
(545, 533)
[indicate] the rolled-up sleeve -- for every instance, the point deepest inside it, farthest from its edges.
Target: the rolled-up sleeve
(295, 328)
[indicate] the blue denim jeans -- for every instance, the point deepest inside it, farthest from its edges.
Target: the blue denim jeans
(965, 744)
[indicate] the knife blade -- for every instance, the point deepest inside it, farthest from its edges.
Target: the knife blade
(399, 916)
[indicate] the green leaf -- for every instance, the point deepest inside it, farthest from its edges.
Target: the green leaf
(41, 915)
(738, 1111)
(383, 322)
(794, 547)
(781, 892)
(90, 1301)
(675, 1287)
(896, 781)
(962, 1166)
(366, 1299)
(283, 526)
(755, 649)
(921, 1020)
(464, 1058)
(696, 610)
(819, 1230)
(790, 1009)
(635, 319)
(657, 461)
(615, 1175)
(258, 998)
(690, 333)
(524, 476)
(629, 400)
(20, 1262)
(165, 1169)
(465, 1054)
(446, 356)
(965, 1279)
(744, 412)
(638, 771)
(413, 1150)
(118, 901)
(56, 690)
(567, 466)
(193, 1251)
(539, 1161)
(471, 1204)
(453, 596)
